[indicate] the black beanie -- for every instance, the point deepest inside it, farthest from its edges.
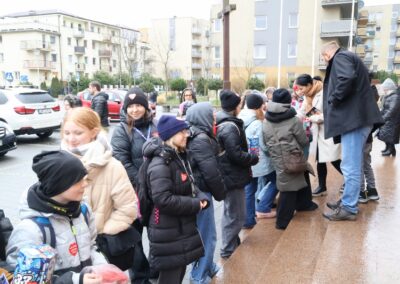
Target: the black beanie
(135, 95)
(229, 100)
(281, 96)
(57, 171)
(254, 101)
(169, 125)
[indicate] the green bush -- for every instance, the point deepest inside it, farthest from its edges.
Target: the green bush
(104, 78)
(81, 85)
(383, 75)
(56, 87)
(147, 86)
(43, 86)
(215, 84)
(255, 84)
(178, 84)
(202, 86)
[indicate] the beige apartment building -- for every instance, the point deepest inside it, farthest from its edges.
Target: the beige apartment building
(36, 46)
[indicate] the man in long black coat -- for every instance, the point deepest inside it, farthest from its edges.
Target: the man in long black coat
(350, 113)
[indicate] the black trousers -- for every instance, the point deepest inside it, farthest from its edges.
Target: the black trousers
(172, 276)
(322, 170)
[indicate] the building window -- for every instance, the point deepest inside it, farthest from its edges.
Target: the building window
(52, 39)
(395, 14)
(392, 41)
(72, 25)
(260, 76)
(54, 57)
(390, 67)
(86, 60)
(114, 63)
(378, 28)
(70, 58)
(64, 23)
(217, 25)
(391, 54)
(113, 48)
(260, 51)
(293, 20)
(93, 44)
(92, 29)
(261, 22)
(94, 61)
(79, 27)
(85, 43)
(98, 30)
(69, 41)
(217, 52)
(113, 33)
(394, 28)
(292, 50)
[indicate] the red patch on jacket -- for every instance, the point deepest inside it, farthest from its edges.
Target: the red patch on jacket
(73, 249)
(184, 177)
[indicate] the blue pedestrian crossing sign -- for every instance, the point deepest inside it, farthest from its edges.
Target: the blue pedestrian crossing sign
(9, 77)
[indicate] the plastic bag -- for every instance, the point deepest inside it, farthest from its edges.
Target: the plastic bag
(110, 273)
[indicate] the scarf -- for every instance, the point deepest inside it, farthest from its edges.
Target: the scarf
(315, 89)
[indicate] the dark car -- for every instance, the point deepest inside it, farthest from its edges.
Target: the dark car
(7, 138)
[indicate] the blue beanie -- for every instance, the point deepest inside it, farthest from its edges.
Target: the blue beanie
(169, 125)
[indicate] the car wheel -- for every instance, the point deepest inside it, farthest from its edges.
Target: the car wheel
(45, 134)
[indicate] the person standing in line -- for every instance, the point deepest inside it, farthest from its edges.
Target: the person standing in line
(312, 109)
(187, 99)
(203, 150)
(235, 163)
(99, 102)
(350, 113)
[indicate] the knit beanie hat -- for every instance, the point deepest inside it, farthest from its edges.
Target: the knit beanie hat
(229, 100)
(169, 125)
(57, 171)
(281, 96)
(135, 95)
(254, 101)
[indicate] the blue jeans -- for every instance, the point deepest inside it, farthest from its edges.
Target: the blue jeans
(250, 193)
(352, 162)
(267, 192)
(205, 268)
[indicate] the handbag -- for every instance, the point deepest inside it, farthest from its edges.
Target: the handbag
(115, 245)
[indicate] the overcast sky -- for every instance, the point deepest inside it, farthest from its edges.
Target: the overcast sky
(131, 13)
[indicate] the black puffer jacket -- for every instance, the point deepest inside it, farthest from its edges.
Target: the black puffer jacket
(174, 239)
(99, 105)
(127, 146)
(390, 131)
(203, 150)
(235, 161)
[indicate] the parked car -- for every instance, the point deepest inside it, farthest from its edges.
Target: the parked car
(30, 111)
(115, 101)
(7, 138)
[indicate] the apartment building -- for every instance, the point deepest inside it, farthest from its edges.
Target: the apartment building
(36, 46)
(383, 38)
(179, 47)
(259, 46)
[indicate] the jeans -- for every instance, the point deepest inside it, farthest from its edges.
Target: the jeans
(205, 268)
(250, 192)
(267, 193)
(352, 164)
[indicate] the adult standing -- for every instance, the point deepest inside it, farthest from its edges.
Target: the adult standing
(390, 131)
(350, 113)
(99, 102)
(235, 163)
(187, 99)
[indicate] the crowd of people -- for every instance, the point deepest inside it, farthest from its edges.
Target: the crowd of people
(253, 155)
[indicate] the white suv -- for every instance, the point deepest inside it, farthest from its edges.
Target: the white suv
(30, 111)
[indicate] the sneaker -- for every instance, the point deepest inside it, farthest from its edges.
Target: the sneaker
(319, 191)
(340, 214)
(334, 205)
(262, 215)
(363, 197)
(341, 188)
(372, 193)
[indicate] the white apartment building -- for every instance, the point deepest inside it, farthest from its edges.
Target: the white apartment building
(36, 46)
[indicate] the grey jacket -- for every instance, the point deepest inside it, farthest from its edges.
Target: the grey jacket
(28, 233)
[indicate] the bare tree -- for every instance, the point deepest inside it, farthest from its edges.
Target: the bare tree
(244, 70)
(164, 55)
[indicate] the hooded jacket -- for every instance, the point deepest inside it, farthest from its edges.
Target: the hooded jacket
(283, 132)
(390, 131)
(203, 150)
(68, 263)
(109, 193)
(174, 239)
(234, 160)
(253, 129)
(100, 105)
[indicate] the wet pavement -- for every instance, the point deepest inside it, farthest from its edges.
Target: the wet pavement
(315, 250)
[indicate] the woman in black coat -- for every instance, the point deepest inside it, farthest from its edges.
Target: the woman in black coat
(390, 131)
(174, 239)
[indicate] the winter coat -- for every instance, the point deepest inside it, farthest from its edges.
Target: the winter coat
(174, 239)
(203, 150)
(28, 233)
(328, 151)
(390, 131)
(253, 129)
(283, 132)
(100, 105)
(235, 161)
(109, 193)
(127, 146)
(349, 103)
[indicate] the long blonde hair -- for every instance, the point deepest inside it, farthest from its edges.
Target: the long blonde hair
(83, 116)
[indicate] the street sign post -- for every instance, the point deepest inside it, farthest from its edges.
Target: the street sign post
(9, 77)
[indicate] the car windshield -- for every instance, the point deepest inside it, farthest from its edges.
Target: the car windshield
(34, 98)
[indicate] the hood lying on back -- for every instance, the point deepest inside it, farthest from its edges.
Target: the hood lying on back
(248, 116)
(201, 116)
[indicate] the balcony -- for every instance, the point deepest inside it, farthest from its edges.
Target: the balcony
(321, 63)
(371, 22)
(196, 43)
(80, 67)
(104, 53)
(362, 32)
(79, 33)
(35, 45)
(196, 31)
(397, 46)
(363, 18)
(105, 67)
(339, 28)
(79, 50)
(398, 32)
(196, 54)
(106, 37)
(368, 61)
(397, 72)
(370, 34)
(360, 50)
(327, 3)
(368, 48)
(196, 66)
(39, 64)
(396, 60)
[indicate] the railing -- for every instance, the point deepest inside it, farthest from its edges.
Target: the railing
(396, 60)
(397, 46)
(39, 64)
(80, 66)
(397, 72)
(196, 54)
(336, 2)
(79, 33)
(196, 42)
(196, 31)
(106, 37)
(104, 53)
(398, 33)
(196, 66)
(27, 26)
(337, 28)
(79, 49)
(35, 44)
(360, 49)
